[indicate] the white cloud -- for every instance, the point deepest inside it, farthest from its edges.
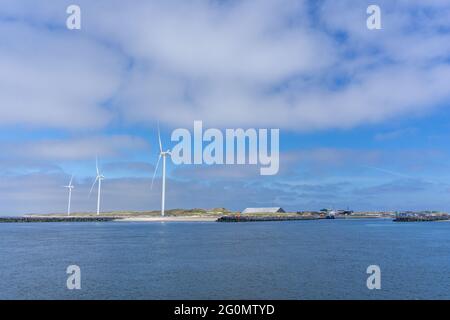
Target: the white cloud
(395, 134)
(247, 65)
(79, 148)
(253, 63)
(54, 79)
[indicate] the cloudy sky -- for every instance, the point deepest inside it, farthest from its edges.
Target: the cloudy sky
(363, 114)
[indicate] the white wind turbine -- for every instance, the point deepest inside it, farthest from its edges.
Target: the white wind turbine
(69, 187)
(98, 178)
(162, 154)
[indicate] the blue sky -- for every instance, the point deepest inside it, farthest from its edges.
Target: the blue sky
(363, 114)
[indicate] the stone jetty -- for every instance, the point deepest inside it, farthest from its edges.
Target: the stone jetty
(55, 219)
(421, 218)
(249, 218)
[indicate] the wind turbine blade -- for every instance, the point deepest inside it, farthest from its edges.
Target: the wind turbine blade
(156, 169)
(96, 165)
(159, 139)
(70, 183)
(95, 181)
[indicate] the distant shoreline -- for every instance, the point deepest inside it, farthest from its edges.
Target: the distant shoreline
(202, 215)
(110, 217)
(36, 219)
(168, 218)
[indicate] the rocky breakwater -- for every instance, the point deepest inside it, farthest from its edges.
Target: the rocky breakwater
(250, 218)
(55, 219)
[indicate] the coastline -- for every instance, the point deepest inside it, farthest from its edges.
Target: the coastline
(215, 215)
(192, 218)
(169, 219)
(91, 218)
(152, 218)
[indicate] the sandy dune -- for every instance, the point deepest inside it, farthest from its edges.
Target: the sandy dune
(170, 219)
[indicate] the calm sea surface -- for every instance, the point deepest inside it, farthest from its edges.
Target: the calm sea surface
(324, 259)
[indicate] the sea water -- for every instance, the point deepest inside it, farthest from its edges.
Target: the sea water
(319, 259)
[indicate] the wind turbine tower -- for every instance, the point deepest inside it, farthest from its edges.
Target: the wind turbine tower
(69, 187)
(163, 155)
(98, 179)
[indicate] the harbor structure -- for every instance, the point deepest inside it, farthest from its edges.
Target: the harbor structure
(411, 216)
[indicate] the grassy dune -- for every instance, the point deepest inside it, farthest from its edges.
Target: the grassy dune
(216, 212)
(155, 213)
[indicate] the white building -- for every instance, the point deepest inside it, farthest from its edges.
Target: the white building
(264, 210)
